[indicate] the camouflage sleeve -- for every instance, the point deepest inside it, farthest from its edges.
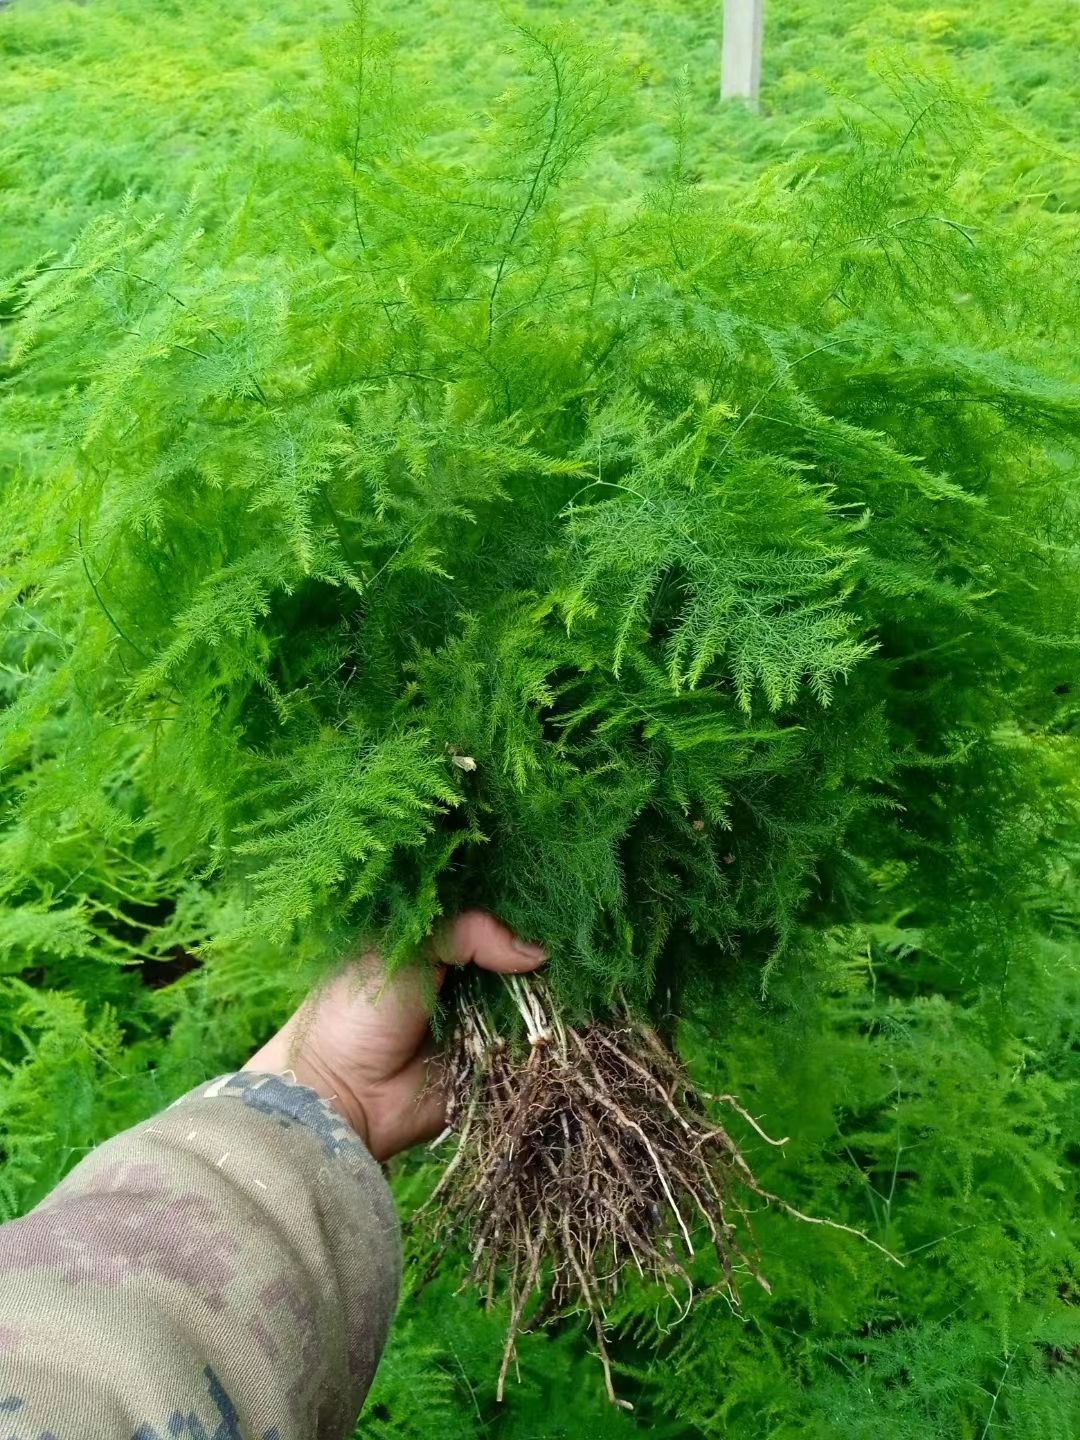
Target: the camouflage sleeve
(226, 1271)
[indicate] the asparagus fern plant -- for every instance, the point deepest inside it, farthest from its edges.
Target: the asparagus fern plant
(689, 578)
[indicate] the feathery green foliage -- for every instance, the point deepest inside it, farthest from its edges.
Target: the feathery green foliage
(687, 574)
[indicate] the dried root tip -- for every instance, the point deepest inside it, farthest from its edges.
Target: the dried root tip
(587, 1154)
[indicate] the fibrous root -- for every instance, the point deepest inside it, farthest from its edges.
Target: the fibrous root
(587, 1154)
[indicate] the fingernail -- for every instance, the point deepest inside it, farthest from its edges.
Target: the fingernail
(534, 952)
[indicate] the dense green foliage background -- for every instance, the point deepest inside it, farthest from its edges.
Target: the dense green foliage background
(731, 531)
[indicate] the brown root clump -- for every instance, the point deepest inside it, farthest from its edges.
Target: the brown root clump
(589, 1154)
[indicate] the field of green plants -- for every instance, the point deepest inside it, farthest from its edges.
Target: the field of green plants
(386, 385)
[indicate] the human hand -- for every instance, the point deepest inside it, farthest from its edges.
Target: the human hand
(362, 1042)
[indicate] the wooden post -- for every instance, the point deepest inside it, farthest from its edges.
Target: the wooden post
(744, 28)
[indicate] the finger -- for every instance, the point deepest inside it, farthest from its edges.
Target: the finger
(479, 939)
(428, 1117)
(380, 1018)
(409, 1108)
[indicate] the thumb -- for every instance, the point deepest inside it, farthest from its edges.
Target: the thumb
(477, 938)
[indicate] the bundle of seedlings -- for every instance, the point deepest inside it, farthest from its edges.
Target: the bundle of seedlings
(581, 1154)
(685, 573)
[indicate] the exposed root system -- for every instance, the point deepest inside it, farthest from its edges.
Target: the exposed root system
(589, 1154)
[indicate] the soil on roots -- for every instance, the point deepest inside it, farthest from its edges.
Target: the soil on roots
(586, 1155)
